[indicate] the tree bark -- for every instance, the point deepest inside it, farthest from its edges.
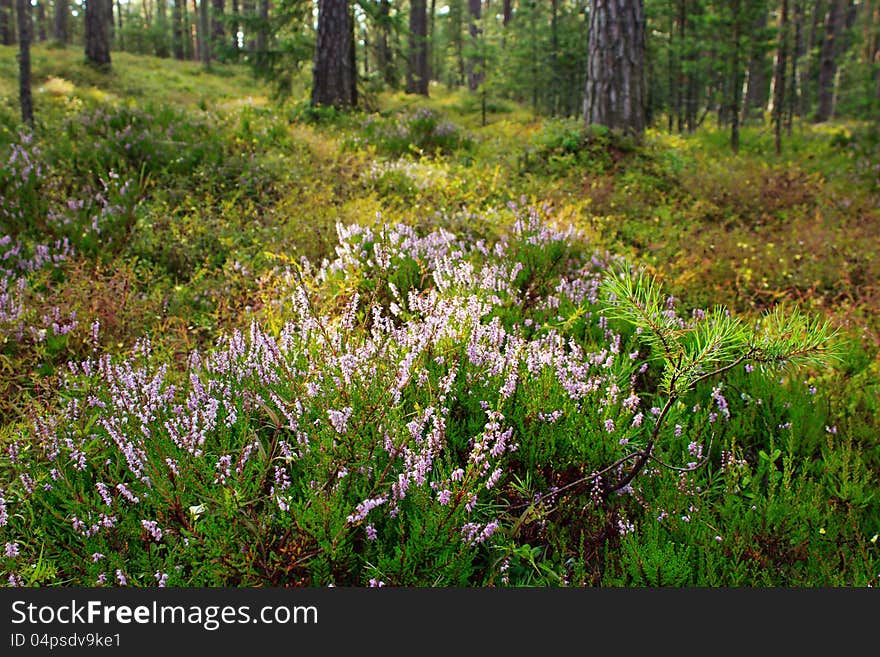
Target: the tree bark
(384, 58)
(334, 80)
(218, 32)
(204, 35)
(417, 69)
(779, 75)
(616, 87)
(24, 61)
(736, 91)
(97, 32)
(755, 94)
(475, 63)
(41, 21)
(828, 59)
(59, 24)
(177, 30)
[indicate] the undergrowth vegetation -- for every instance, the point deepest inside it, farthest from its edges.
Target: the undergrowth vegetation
(250, 345)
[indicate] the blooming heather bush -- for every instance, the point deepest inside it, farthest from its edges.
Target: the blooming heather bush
(420, 132)
(383, 431)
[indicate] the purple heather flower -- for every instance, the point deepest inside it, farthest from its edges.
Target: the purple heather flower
(371, 533)
(120, 577)
(11, 550)
(609, 425)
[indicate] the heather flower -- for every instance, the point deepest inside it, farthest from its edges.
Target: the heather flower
(339, 419)
(371, 533)
(11, 550)
(609, 425)
(161, 578)
(120, 577)
(153, 528)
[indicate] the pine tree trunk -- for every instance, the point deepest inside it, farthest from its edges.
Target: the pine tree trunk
(41, 20)
(384, 58)
(236, 26)
(779, 75)
(97, 34)
(23, 10)
(218, 32)
(177, 30)
(7, 20)
(417, 68)
(334, 75)
(828, 60)
(755, 94)
(262, 39)
(195, 32)
(736, 90)
(615, 92)
(475, 74)
(59, 24)
(204, 35)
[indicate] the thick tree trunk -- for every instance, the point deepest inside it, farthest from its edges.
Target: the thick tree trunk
(828, 59)
(475, 73)
(616, 88)
(97, 20)
(417, 68)
(59, 24)
(334, 74)
(177, 30)
(23, 10)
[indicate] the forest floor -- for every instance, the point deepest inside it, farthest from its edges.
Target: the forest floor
(186, 197)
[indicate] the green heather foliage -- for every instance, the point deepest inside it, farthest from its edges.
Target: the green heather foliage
(244, 344)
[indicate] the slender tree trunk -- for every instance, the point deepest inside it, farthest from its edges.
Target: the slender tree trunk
(59, 25)
(755, 94)
(236, 27)
(97, 34)
(735, 82)
(417, 68)
(828, 60)
(7, 23)
(177, 30)
(41, 20)
(162, 44)
(385, 60)
(24, 61)
(615, 92)
(119, 24)
(335, 82)
(218, 32)
(779, 75)
(248, 8)
(204, 34)
(682, 56)
(554, 57)
(262, 37)
(475, 73)
(794, 89)
(195, 32)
